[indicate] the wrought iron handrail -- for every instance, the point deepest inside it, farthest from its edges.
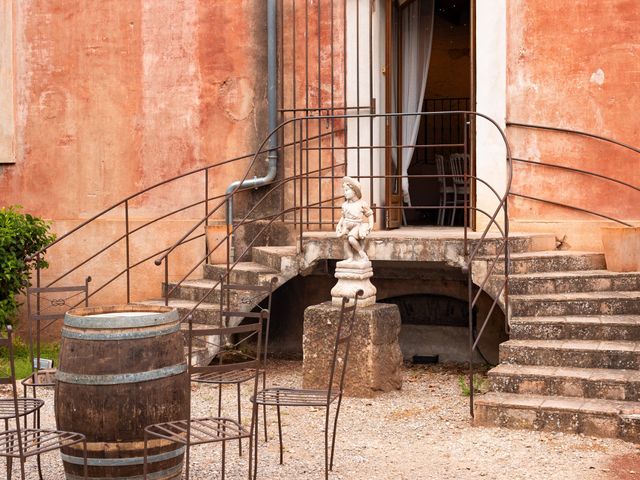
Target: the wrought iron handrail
(472, 249)
(470, 255)
(589, 173)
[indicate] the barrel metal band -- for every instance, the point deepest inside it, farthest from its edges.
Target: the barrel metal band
(138, 321)
(172, 472)
(77, 378)
(123, 462)
(120, 335)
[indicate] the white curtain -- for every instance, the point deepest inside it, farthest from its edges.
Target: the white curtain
(416, 30)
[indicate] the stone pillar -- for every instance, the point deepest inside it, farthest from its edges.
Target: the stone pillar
(374, 359)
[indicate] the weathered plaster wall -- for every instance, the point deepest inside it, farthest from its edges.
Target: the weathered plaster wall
(575, 68)
(114, 96)
(7, 114)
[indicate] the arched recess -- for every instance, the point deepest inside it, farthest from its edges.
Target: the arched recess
(393, 280)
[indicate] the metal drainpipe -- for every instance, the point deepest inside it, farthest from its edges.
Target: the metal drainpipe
(272, 99)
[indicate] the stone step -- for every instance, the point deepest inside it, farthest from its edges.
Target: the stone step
(206, 313)
(518, 243)
(593, 417)
(578, 303)
(572, 281)
(281, 259)
(609, 384)
(572, 353)
(246, 273)
(595, 327)
(552, 261)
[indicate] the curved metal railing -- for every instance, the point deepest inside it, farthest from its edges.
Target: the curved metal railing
(608, 179)
(297, 207)
(472, 249)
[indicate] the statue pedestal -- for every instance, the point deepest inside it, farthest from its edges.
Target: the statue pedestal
(374, 357)
(352, 276)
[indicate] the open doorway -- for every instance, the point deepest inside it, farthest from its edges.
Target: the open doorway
(430, 54)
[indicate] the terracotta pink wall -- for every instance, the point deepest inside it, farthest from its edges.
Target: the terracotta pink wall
(114, 96)
(574, 65)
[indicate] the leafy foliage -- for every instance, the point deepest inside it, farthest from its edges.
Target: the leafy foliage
(20, 236)
(479, 384)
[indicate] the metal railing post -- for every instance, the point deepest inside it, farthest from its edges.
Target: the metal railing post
(126, 221)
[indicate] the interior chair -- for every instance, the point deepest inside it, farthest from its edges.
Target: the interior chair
(198, 431)
(445, 187)
(459, 165)
(323, 398)
(22, 443)
(229, 292)
(45, 306)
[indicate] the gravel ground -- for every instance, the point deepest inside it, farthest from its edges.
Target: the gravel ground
(421, 432)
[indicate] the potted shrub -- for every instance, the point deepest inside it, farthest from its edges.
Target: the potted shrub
(21, 235)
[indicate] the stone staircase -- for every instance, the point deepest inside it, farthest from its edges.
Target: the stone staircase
(266, 263)
(572, 363)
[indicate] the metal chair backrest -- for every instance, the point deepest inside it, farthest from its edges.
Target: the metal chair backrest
(441, 170)
(459, 164)
(50, 305)
(11, 380)
(250, 358)
(342, 345)
(253, 294)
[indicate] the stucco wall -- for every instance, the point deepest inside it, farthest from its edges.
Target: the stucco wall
(114, 96)
(574, 65)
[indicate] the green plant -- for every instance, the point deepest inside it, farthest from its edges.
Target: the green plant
(479, 384)
(21, 235)
(22, 357)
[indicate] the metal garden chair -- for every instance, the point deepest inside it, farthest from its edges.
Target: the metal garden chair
(324, 398)
(199, 431)
(238, 376)
(459, 165)
(446, 190)
(22, 443)
(48, 305)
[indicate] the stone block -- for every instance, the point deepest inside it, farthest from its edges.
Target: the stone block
(375, 357)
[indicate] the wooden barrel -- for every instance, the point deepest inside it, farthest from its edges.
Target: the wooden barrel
(121, 368)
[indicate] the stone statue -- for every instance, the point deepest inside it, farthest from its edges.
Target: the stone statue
(355, 272)
(356, 221)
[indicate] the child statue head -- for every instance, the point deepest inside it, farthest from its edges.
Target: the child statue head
(352, 184)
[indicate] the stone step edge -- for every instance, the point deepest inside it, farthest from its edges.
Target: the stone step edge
(565, 404)
(582, 345)
(620, 319)
(588, 374)
(578, 296)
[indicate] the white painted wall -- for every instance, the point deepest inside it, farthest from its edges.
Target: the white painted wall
(359, 130)
(7, 126)
(491, 91)
(491, 73)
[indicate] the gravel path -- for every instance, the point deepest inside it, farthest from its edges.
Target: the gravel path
(421, 432)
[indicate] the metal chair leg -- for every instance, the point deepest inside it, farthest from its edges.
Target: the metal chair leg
(146, 453)
(326, 444)
(335, 428)
(264, 407)
(85, 466)
(224, 450)
(187, 456)
(455, 205)
(239, 419)
(280, 435)
(255, 445)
